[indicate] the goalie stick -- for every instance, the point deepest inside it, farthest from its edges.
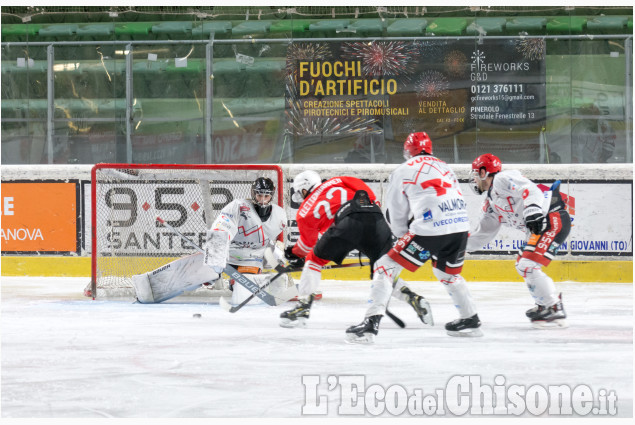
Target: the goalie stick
(281, 270)
(229, 270)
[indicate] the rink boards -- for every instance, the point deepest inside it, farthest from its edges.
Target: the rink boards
(55, 241)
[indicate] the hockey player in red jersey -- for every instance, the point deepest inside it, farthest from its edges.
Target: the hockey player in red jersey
(426, 211)
(334, 218)
(515, 201)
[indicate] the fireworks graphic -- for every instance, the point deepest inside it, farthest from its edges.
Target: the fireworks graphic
(410, 124)
(430, 50)
(305, 52)
(478, 57)
(532, 49)
(432, 84)
(331, 126)
(383, 58)
(300, 125)
(454, 63)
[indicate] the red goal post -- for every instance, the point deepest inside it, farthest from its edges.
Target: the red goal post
(127, 198)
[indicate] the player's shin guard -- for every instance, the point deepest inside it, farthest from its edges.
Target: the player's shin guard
(386, 270)
(310, 279)
(541, 286)
(460, 294)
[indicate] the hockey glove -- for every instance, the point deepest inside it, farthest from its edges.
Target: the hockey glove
(294, 260)
(535, 220)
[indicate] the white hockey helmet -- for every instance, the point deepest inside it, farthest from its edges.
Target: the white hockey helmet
(306, 180)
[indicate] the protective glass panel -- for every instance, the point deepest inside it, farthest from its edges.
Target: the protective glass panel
(89, 105)
(168, 104)
(24, 106)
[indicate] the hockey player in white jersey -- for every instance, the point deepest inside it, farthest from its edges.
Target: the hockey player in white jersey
(515, 201)
(239, 236)
(425, 190)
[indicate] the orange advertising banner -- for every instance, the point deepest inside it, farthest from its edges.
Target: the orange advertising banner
(39, 217)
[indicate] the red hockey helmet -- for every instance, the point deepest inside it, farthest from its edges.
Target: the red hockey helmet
(417, 143)
(490, 163)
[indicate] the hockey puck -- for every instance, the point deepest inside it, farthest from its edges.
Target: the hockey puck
(196, 315)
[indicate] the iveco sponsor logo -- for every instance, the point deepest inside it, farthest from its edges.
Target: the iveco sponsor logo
(449, 221)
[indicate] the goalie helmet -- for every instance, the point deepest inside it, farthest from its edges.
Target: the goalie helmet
(416, 144)
(492, 165)
(262, 186)
(306, 180)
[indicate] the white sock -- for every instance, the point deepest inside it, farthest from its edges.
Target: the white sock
(386, 269)
(458, 291)
(310, 279)
(541, 286)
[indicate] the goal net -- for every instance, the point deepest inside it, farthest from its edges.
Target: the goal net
(126, 200)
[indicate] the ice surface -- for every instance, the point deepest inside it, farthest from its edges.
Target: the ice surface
(64, 355)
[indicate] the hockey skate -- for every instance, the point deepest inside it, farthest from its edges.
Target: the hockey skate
(464, 327)
(365, 332)
(420, 305)
(551, 317)
(297, 317)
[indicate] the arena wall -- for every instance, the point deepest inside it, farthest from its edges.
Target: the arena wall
(599, 247)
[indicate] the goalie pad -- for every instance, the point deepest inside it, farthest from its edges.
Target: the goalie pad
(171, 280)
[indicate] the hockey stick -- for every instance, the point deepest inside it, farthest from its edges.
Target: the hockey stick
(282, 269)
(233, 309)
(395, 319)
(229, 270)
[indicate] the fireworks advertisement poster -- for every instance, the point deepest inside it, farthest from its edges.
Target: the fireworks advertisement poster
(443, 87)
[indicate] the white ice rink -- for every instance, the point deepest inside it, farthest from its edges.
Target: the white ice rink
(64, 355)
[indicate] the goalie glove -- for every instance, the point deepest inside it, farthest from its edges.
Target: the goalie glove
(535, 220)
(294, 260)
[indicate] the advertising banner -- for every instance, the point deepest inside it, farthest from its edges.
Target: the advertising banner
(597, 228)
(39, 217)
(443, 87)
